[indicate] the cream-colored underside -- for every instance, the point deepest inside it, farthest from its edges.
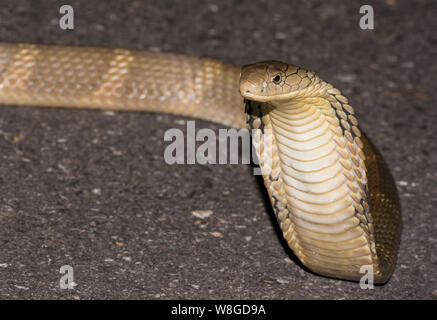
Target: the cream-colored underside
(322, 189)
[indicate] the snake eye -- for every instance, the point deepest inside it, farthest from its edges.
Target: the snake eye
(277, 79)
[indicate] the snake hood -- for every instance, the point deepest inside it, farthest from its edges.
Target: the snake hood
(274, 81)
(318, 169)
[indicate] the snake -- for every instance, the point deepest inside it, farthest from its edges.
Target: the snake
(330, 189)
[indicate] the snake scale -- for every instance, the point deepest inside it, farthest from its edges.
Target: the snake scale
(332, 194)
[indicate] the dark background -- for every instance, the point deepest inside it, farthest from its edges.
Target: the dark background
(90, 189)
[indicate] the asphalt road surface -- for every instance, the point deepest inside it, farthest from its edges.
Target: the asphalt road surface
(90, 189)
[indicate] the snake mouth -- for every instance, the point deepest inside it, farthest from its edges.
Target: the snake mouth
(271, 99)
(247, 94)
(255, 87)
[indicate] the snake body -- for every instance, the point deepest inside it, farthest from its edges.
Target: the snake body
(330, 189)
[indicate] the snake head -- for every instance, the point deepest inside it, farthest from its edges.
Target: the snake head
(273, 81)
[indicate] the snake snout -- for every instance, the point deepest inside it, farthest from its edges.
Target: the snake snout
(252, 83)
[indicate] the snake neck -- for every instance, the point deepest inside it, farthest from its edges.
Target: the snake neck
(322, 203)
(314, 133)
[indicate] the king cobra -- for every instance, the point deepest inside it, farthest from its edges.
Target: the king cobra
(331, 191)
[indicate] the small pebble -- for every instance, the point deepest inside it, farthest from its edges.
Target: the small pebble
(347, 77)
(97, 191)
(392, 58)
(280, 36)
(408, 64)
(21, 287)
(98, 27)
(217, 234)
(403, 183)
(282, 281)
(202, 214)
(213, 7)
(181, 122)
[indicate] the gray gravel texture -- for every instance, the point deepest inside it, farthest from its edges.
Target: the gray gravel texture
(90, 189)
